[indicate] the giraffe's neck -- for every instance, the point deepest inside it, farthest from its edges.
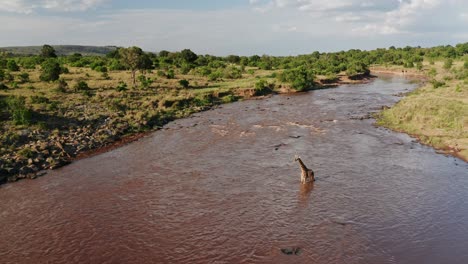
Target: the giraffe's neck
(303, 167)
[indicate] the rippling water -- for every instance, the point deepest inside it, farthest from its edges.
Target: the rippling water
(222, 187)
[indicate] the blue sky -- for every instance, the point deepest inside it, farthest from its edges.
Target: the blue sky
(245, 27)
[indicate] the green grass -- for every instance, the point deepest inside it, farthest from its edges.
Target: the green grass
(437, 114)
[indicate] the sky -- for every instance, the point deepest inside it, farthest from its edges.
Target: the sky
(243, 27)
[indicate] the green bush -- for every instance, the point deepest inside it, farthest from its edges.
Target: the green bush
(184, 83)
(121, 87)
(64, 70)
(81, 86)
(437, 84)
(229, 98)
(50, 70)
(3, 86)
(262, 87)
(232, 72)
(144, 81)
(357, 68)
(12, 66)
(170, 74)
(20, 114)
(215, 75)
(448, 64)
(23, 77)
(300, 78)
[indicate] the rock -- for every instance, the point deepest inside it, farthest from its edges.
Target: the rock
(292, 251)
(24, 133)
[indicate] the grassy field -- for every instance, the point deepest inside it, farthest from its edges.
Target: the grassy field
(437, 112)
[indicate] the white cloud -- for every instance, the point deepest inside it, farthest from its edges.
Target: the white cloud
(378, 17)
(29, 6)
(282, 28)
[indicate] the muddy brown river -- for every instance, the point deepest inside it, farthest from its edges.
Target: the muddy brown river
(222, 187)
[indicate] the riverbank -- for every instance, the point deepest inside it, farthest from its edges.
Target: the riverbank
(435, 113)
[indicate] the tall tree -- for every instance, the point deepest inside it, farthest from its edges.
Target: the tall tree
(188, 56)
(48, 51)
(134, 59)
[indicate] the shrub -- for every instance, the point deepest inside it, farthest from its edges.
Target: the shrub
(23, 77)
(419, 66)
(262, 87)
(203, 71)
(121, 87)
(229, 98)
(170, 74)
(81, 86)
(102, 69)
(448, 64)
(20, 114)
(144, 81)
(357, 68)
(50, 70)
(12, 66)
(160, 73)
(184, 83)
(3, 86)
(215, 75)
(36, 99)
(232, 73)
(64, 70)
(436, 84)
(106, 76)
(300, 78)
(62, 86)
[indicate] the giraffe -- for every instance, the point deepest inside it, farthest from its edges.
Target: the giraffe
(307, 174)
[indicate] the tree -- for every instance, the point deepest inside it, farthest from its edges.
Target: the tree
(300, 78)
(134, 59)
(164, 53)
(50, 70)
(188, 56)
(357, 68)
(48, 51)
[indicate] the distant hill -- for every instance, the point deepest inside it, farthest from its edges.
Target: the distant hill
(61, 50)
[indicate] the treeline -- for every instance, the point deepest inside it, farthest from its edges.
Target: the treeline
(299, 71)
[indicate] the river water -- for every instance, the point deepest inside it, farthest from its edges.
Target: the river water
(222, 187)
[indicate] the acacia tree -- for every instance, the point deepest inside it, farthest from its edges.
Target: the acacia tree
(134, 59)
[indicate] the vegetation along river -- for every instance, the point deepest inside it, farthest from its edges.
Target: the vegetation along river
(222, 187)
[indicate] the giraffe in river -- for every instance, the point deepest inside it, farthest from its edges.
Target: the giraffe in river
(307, 174)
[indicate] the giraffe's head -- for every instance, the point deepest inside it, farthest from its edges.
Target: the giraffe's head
(296, 157)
